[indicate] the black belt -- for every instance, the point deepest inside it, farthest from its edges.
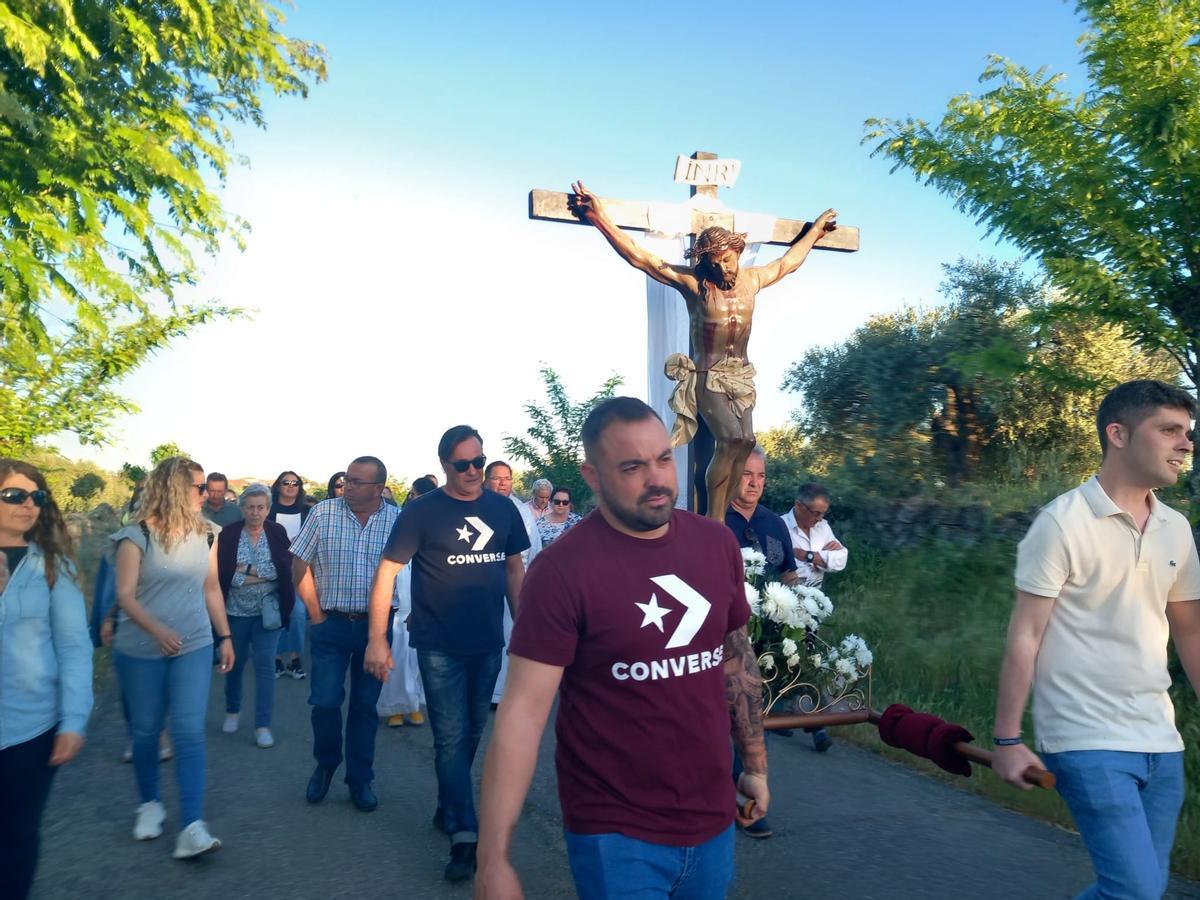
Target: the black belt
(348, 616)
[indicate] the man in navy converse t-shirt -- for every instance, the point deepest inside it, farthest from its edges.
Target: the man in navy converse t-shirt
(465, 545)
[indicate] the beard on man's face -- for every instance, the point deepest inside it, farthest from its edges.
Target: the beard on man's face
(640, 516)
(714, 273)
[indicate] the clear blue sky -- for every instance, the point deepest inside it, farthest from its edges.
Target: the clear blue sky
(399, 287)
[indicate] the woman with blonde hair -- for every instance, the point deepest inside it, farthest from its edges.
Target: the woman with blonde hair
(170, 608)
(45, 664)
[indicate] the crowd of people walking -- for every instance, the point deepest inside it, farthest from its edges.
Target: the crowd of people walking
(421, 605)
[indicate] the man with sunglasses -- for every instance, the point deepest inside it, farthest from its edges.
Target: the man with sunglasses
(465, 546)
(817, 550)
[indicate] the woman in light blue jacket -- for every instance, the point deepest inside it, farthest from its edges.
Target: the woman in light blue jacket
(45, 665)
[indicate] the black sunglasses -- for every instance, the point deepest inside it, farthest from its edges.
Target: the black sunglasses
(461, 465)
(561, 502)
(17, 496)
(290, 482)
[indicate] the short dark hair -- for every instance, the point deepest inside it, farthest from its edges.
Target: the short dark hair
(455, 436)
(1131, 403)
(216, 476)
(605, 413)
(495, 464)
(811, 491)
(422, 485)
(380, 468)
(561, 489)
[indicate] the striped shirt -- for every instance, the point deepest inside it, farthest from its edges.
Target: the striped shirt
(343, 552)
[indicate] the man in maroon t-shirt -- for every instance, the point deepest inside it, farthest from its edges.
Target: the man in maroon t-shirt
(639, 615)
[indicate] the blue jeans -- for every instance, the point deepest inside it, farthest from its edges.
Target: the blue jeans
(458, 695)
(251, 640)
(1125, 806)
(613, 865)
(291, 639)
(151, 686)
(337, 645)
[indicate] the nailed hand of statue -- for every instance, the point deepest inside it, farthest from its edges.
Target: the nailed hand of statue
(583, 202)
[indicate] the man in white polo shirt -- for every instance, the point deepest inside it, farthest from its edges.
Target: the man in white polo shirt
(1104, 577)
(817, 550)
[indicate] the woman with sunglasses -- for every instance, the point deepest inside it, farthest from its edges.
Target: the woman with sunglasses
(337, 486)
(559, 519)
(170, 610)
(45, 665)
(289, 508)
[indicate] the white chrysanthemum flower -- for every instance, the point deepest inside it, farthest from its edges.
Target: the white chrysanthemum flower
(768, 662)
(844, 667)
(779, 603)
(753, 562)
(753, 599)
(793, 661)
(810, 606)
(816, 661)
(789, 647)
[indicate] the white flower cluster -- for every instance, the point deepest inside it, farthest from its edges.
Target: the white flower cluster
(795, 607)
(754, 563)
(856, 647)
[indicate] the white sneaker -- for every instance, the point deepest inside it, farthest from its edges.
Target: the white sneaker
(195, 840)
(149, 822)
(231, 723)
(263, 737)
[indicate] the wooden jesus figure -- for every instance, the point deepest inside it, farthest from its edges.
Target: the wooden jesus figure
(717, 382)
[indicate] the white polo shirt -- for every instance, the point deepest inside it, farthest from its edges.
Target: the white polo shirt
(1101, 680)
(816, 538)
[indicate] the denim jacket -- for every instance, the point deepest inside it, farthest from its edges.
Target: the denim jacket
(45, 653)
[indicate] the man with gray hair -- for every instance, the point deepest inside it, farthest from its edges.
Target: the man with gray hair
(539, 503)
(817, 550)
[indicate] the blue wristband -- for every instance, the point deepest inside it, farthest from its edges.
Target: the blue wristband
(1007, 742)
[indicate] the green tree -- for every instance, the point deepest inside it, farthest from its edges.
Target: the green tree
(87, 486)
(1097, 186)
(551, 446)
(116, 126)
(165, 451)
(997, 383)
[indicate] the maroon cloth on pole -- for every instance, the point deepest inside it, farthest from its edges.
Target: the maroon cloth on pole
(925, 735)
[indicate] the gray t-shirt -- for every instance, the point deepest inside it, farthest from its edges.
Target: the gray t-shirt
(170, 588)
(228, 514)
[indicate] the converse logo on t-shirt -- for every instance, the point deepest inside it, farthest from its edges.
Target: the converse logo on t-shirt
(484, 535)
(696, 608)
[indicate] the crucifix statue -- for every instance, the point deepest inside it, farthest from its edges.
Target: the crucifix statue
(714, 398)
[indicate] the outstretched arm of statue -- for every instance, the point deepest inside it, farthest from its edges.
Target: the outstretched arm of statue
(743, 690)
(798, 252)
(589, 207)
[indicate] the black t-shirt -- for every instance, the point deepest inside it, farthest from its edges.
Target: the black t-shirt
(14, 555)
(771, 535)
(458, 550)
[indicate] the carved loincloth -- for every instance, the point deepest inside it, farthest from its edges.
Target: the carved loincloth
(731, 376)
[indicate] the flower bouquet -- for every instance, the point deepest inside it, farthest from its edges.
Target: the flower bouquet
(801, 672)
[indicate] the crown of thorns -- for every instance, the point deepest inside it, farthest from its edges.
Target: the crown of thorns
(715, 239)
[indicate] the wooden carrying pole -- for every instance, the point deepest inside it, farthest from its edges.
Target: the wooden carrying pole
(1034, 775)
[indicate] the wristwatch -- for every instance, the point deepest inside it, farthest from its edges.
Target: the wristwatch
(808, 557)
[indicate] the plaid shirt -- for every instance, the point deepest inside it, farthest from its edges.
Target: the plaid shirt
(343, 552)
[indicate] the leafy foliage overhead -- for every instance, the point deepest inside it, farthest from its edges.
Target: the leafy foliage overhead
(115, 134)
(1099, 186)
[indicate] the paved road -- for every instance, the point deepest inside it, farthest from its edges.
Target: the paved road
(848, 825)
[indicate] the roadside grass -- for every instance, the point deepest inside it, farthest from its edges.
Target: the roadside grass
(935, 617)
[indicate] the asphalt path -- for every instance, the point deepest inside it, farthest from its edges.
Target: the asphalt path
(848, 824)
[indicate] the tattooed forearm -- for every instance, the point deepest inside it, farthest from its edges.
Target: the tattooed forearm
(743, 690)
